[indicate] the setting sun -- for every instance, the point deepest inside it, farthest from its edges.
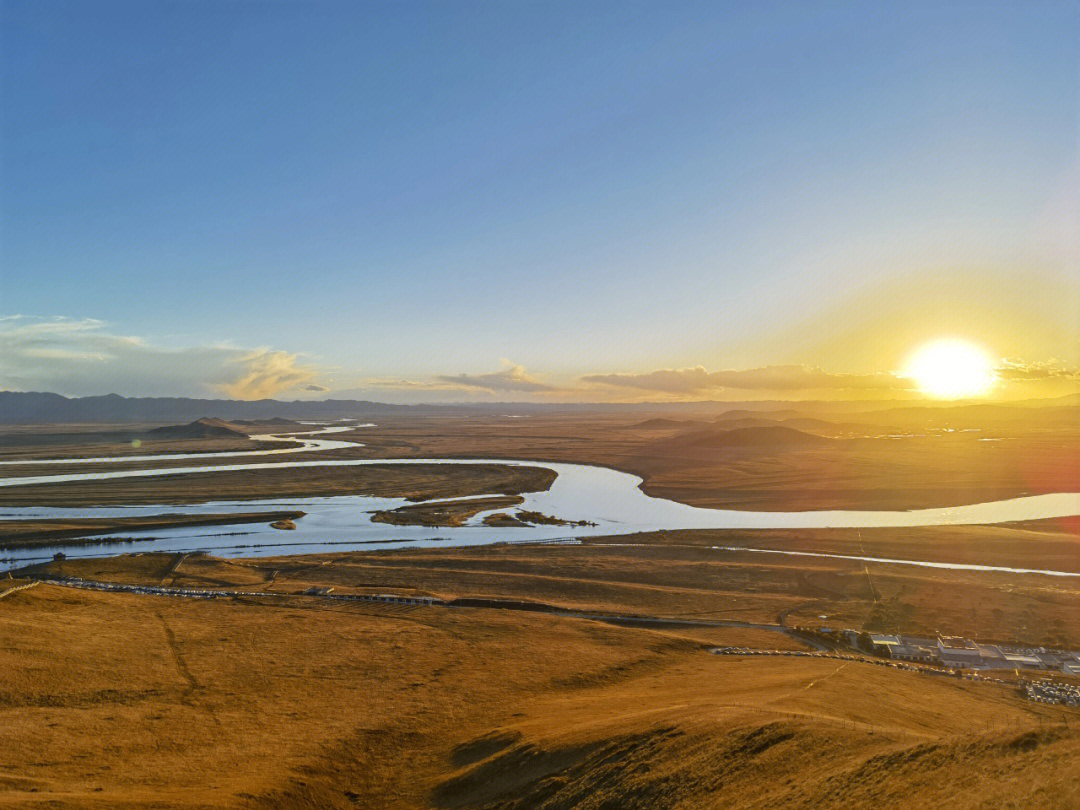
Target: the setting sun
(950, 369)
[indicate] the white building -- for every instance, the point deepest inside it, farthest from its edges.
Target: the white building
(961, 653)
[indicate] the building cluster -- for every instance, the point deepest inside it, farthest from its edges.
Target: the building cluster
(956, 652)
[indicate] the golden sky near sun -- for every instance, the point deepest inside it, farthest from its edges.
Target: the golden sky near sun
(874, 328)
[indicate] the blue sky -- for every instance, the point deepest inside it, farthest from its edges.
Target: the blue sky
(384, 196)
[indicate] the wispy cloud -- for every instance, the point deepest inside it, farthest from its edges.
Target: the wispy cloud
(511, 378)
(693, 380)
(80, 356)
(262, 373)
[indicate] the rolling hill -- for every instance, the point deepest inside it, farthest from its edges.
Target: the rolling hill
(205, 428)
(665, 424)
(775, 437)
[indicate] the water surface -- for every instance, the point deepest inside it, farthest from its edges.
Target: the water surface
(611, 499)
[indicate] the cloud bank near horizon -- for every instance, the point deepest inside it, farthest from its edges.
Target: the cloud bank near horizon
(81, 357)
(1015, 370)
(512, 377)
(765, 378)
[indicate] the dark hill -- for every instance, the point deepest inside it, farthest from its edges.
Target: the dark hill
(44, 408)
(822, 427)
(746, 422)
(743, 413)
(277, 420)
(204, 428)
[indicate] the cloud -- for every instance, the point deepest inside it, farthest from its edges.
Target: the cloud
(381, 387)
(512, 381)
(81, 357)
(314, 387)
(262, 373)
(1013, 370)
(510, 378)
(766, 378)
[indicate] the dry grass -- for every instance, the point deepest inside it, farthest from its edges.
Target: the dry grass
(677, 575)
(872, 471)
(868, 471)
(28, 533)
(114, 701)
(27, 447)
(413, 481)
(138, 701)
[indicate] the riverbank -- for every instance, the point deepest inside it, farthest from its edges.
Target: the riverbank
(16, 534)
(415, 482)
(888, 461)
(443, 513)
(710, 575)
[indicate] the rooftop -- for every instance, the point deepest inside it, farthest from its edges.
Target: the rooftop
(877, 638)
(957, 643)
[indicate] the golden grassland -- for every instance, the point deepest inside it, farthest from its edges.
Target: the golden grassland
(127, 700)
(1046, 544)
(412, 481)
(681, 575)
(29, 533)
(117, 700)
(28, 447)
(870, 470)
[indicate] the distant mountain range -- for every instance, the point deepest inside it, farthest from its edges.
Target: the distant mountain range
(38, 408)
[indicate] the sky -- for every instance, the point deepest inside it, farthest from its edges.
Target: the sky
(409, 201)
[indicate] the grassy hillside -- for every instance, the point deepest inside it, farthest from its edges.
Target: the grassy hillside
(125, 701)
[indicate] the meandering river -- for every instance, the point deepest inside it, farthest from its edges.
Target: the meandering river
(612, 500)
(307, 445)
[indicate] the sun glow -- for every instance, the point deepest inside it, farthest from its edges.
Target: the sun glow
(951, 369)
